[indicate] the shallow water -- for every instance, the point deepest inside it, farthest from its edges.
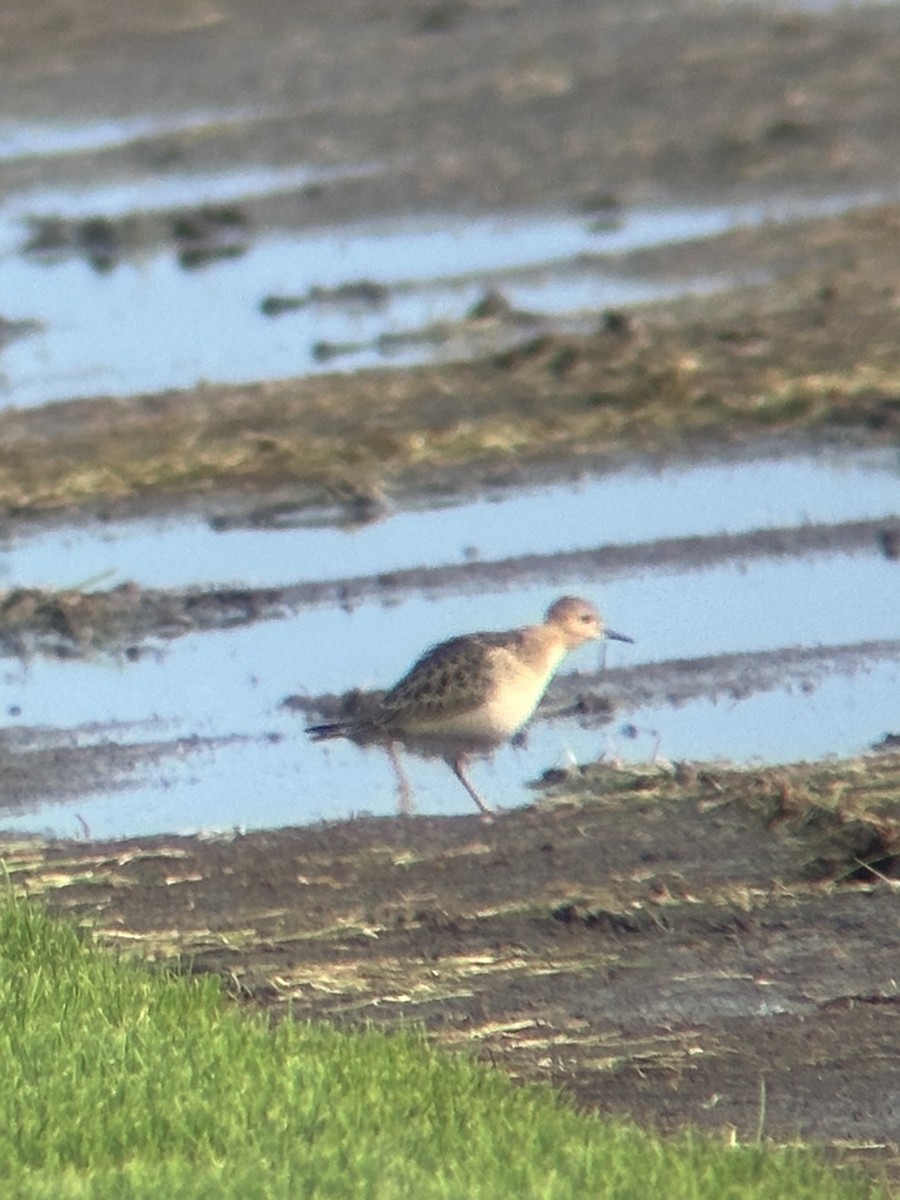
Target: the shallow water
(145, 323)
(30, 139)
(620, 507)
(273, 775)
(228, 687)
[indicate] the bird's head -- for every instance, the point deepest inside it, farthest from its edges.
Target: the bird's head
(579, 621)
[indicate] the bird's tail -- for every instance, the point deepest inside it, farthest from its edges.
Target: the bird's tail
(331, 729)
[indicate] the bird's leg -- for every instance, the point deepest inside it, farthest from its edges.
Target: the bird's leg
(404, 791)
(458, 766)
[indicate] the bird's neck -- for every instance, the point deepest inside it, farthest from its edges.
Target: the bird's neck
(543, 648)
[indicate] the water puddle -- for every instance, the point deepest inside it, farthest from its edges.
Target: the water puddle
(239, 758)
(20, 139)
(160, 193)
(622, 507)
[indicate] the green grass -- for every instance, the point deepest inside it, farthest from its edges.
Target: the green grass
(121, 1082)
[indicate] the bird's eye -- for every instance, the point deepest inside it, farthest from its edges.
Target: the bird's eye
(587, 619)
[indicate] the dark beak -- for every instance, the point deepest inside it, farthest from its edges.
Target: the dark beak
(611, 635)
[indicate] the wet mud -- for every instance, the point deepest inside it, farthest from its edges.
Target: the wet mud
(707, 946)
(685, 944)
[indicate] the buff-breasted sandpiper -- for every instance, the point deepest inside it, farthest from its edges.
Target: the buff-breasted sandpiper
(468, 695)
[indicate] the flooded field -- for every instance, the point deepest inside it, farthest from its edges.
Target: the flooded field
(162, 283)
(143, 281)
(306, 364)
(692, 560)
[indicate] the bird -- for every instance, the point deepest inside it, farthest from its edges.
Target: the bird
(469, 695)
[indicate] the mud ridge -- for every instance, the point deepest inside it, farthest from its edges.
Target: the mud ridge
(73, 622)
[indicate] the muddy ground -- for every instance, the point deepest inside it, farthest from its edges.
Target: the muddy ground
(710, 947)
(713, 947)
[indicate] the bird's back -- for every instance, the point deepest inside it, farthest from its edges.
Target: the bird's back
(472, 692)
(451, 678)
